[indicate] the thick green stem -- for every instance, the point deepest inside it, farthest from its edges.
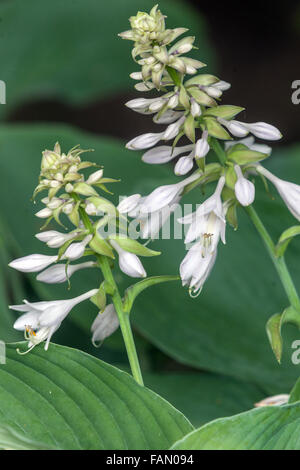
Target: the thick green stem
(279, 262)
(220, 152)
(123, 319)
(118, 304)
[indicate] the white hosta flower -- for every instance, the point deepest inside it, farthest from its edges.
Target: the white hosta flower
(222, 85)
(195, 269)
(95, 177)
(164, 153)
(289, 192)
(173, 129)
(44, 213)
(212, 91)
(184, 165)
(32, 263)
(105, 324)
(208, 221)
(144, 141)
(173, 101)
(129, 203)
(45, 317)
(262, 130)
(195, 108)
(238, 129)
(168, 117)
(150, 224)
(129, 263)
(244, 189)
(61, 273)
(202, 146)
(165, 195)
(76, 250)
(55, 239)
(67, 209)
(91, 209)
(250, 143)
(54, 203)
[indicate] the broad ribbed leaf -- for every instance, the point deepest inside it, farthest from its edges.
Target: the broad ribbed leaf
(268, 428)
(67, 399)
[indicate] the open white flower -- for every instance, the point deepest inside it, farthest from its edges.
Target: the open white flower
(244, 189)
(32, 263)
(195, 269)
(164, 153)
(105, 324)
(42, 319)
(129, 263)
(59, 273)
(289, 192)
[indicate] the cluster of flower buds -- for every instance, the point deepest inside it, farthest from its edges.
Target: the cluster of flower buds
(191, 110)
(151, 39)
(75, 196)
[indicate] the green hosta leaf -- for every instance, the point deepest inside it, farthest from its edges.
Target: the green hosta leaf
(266, 428)
(224, 111)
(69, 400)
(11, 439)
(285, 239)
(215, 129)
(274, 326)
(295, 393)
(203, 79)
(133, 246)
(242, 157)
(133, 291)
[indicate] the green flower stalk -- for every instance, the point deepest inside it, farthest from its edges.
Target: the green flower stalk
(74, 196)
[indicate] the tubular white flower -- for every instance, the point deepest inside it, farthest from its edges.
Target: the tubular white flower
(32, 263)
(168, 117)
(44, 213)
(236, 128)
(222, 85)
(173, 129)
(195, 269)
(95, 177)
(262, 130)
(76, 250)
(165, 195)
(195, 108)
(61, 273)
(60, 239)
(244, 189)
(164, 153)
(47, 235)
(45, 317)
(212, 91)
(202, 146)
(105, 324)
(289, 192)
(184, 165)
(129, 263)
(144, 141)
(129, 203)
(208, 221)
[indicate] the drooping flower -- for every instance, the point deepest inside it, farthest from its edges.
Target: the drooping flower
(32, 263)
(76, 250)
(105, 324)
(289, 192)
(129, 263)
(42, 319)
(244, 189)
(59, 273)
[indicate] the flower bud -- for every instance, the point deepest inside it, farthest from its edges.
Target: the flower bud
(76, 250)
(105, 324)
(32, 263)
(202, 146)
(144, 141)
(262, 130)
(95, 177)
(238, 129)
(129, 204)
(244, 189)
(129, 263)
(183, 166)
(44, 213)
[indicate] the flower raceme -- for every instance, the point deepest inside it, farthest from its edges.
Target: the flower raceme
(73, 194)
(188, 103)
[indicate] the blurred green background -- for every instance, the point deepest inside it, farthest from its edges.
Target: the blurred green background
(67, 79)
